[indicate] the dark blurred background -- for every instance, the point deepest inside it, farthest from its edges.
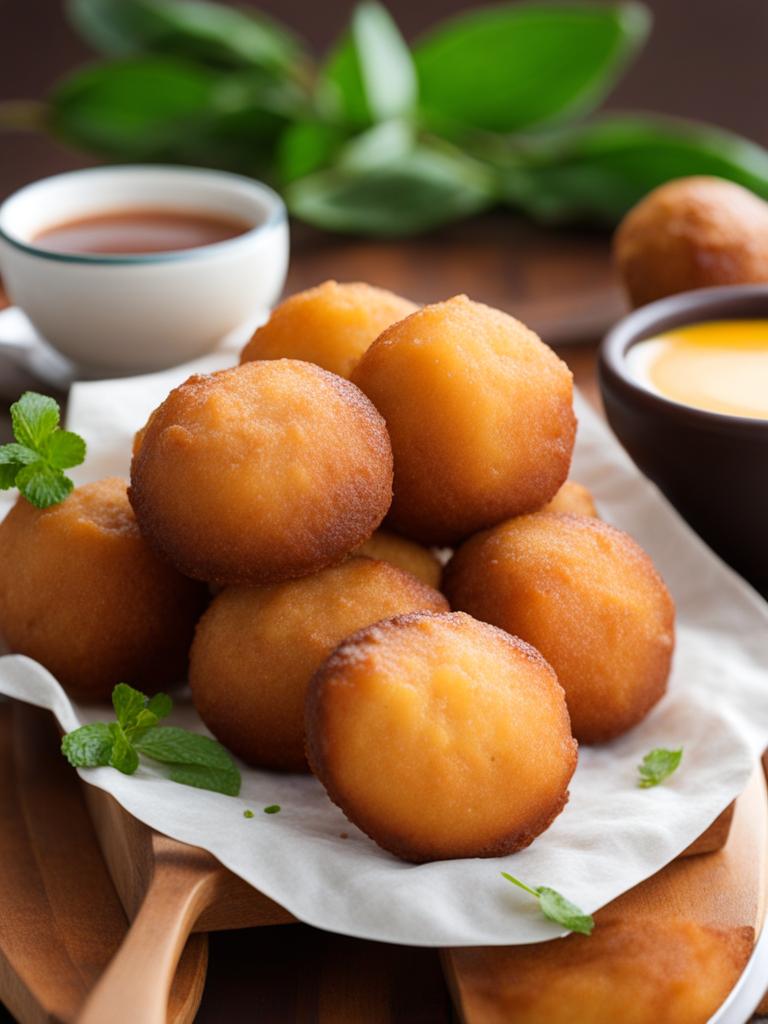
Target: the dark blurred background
(706, 59)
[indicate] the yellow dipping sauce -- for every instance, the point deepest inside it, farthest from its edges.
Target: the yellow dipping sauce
(720, 366)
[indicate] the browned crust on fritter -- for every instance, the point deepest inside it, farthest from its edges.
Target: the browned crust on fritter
(233, 560)
(466, 590)
(348, 653)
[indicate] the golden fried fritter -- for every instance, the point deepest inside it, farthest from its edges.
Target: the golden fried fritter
(256, 649)
(572, 499)
(440, 737)
(692, 233)
(480, 415)
(639, 970)
(331, 325)
(585, 595)
(264, 472)
(83, 593)
(405, 554)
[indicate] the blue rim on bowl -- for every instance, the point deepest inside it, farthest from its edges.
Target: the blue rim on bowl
(277, 216)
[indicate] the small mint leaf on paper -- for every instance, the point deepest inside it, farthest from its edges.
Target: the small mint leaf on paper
(34, 418)
(198, 760)
(226, 781)
(560, 910)
(128, 704)
(89, 746)
(657, 766)
(64, 449)
(272, 809)
(160, 705)
(556, 907)
(124, 756)
(43, 485)
(248, 813)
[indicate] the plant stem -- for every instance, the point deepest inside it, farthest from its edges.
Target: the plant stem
(23, 115)
(519, 884)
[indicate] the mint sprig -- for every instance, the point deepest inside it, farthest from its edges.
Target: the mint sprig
(556, 907)
(35, 463)
(657, 766)
(193, 760)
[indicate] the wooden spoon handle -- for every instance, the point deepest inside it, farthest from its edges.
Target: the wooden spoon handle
(136, 984)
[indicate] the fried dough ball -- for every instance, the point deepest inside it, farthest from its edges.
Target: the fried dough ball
(585, 595)
(404, 554)
(480, 415)
(572, 499)
(331, 325)
(256, 649)
(264, 472)
(692, 233)
(637, 970)
(440, 737)
(83, 593)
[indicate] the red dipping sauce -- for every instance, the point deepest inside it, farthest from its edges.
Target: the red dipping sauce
(134, 231)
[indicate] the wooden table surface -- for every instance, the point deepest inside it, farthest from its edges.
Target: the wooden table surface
(562, 285)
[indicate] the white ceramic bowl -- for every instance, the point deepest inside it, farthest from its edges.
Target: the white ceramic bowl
(142, 312)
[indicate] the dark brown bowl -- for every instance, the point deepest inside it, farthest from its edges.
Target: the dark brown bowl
(713, 467)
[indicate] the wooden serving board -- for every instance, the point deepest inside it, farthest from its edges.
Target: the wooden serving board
(61, 921)
(170, 889)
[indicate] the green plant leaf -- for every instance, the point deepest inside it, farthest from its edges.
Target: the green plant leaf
(511, 67)
(211, 33)
(42, 485)
(128, 703)
(65, 449)
(17, 455)
(658, 765)
(34, 418)
(307, 146)
(370, 76)
(197, 760)
(123, 755)
(141, 108)
(204, 777)
(560, 910)
(8, 472)
(421, 190)
(160, 705)
(89, 746)
(597, 171)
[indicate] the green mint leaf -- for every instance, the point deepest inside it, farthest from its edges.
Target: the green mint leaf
(128, 704)
(560, 910)
(89, 746)
(124, 756)
(197, 760)
(144, 721)
(657, 766)
(556, 907)
(172, 745)
(160, 705)
(248, 813)
(64, 449)
(17, 454)
(43, 485)
(8, 471)
(34, 418)
(272, 809)
(204, 777)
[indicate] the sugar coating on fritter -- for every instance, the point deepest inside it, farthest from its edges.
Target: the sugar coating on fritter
(83, 593)
(331, 325)
(637, 969)
(256, 649)
(572, 499)
(692, 233)
(480, 415)
(405, 554)
(585, 595)
(441, 737)
(264, 472)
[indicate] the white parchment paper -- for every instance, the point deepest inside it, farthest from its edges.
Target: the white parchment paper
(611, 835)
